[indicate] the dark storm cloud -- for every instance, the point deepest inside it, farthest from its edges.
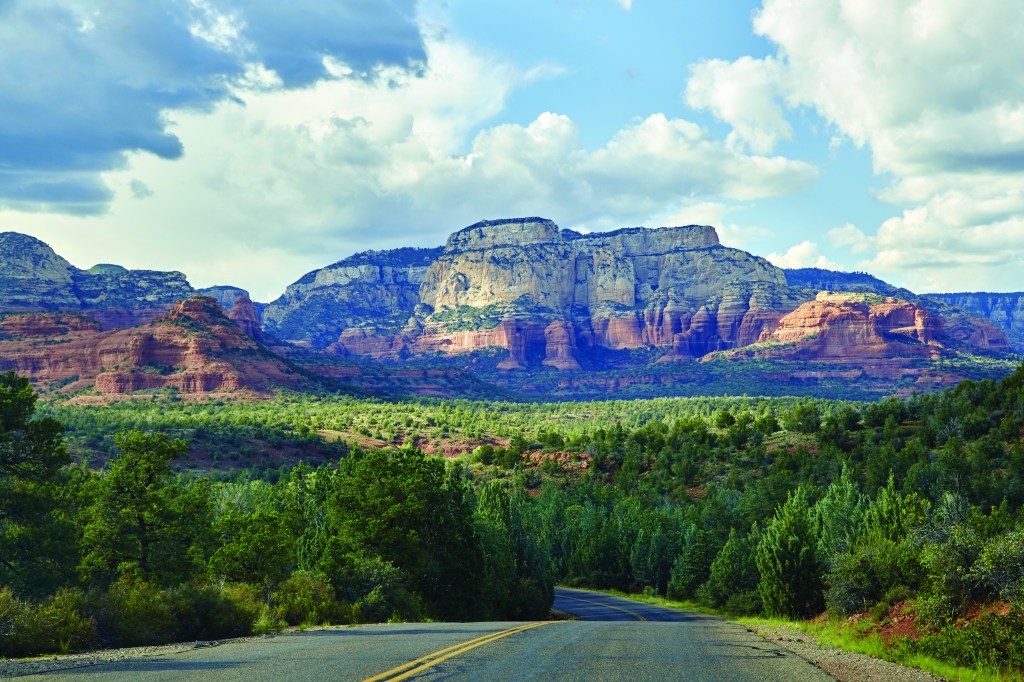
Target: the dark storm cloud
(84, 81)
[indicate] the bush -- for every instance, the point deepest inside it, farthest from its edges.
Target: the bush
(1000, 568)
(862, 577)
(308, 598)
(205, 612)
(132, 613)
(990, 641)
(55, 626)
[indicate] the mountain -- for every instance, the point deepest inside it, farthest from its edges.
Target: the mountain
(1006, 311)
(34, 278)
(543, 294)
(558, 298)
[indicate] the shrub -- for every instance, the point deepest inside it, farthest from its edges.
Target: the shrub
(132, 613)
(990, 641)
(862, 577)
(308, 598)
(205, 612)
(55, 626)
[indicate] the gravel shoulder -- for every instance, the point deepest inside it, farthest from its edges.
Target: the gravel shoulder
(18, 667)
(842, 665)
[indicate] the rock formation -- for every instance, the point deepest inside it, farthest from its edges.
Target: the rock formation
(33, 277)
(193, 348)
(1005, 311)
(225, 295)
(243, 313)
(844, 326)
(545, 295)
(551, 297)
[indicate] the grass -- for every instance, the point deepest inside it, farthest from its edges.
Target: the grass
(836, 635)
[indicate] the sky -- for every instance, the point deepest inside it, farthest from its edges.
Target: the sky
(247, 142)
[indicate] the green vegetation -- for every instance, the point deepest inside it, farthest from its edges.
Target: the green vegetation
(753, 506)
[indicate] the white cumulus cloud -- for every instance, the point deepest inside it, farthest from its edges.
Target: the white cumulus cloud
(802, 255)
(933, 88)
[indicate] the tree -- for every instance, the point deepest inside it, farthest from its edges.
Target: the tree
(254, 548)
(837, 517)
(733, 580)
(36, 535)
(142, 521)
(411, 511)
(790, 578)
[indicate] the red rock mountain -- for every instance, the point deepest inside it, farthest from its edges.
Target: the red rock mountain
(557, 298)
(194, 349)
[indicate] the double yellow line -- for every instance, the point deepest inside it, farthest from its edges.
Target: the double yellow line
(407, 670)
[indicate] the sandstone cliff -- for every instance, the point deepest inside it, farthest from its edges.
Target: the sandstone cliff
(374, 287)
(556, 297)
(851, 326)
(193, 348)
(545, 295)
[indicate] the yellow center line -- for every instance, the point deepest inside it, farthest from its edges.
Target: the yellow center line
(422, 663)
(610, 606)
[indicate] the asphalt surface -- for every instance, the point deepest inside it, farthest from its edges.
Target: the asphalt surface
(616, 640)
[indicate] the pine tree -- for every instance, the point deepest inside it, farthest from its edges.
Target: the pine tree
(786, 558)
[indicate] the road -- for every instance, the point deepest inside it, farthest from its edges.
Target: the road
(616, 640)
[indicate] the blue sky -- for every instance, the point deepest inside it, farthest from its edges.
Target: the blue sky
(249, 141)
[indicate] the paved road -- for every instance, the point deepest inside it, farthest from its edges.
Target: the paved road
(617, 640)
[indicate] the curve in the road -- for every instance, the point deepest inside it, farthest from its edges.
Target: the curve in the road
(564, 594)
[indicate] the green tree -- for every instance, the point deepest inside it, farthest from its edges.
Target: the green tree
(142, 521)
(417, 515)
(733, 579)
(790, 582)
(36, 528)
(254, 548)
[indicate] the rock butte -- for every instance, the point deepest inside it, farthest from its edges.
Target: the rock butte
(550, 297)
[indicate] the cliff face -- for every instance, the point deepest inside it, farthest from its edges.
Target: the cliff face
(194, 348)
(33, 277)
(544, 295)
(847, 326)
(1005, 311)
(371, 288)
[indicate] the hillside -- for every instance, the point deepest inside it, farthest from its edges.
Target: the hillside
(1005, 310)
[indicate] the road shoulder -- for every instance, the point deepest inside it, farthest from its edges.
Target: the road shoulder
(842, 665)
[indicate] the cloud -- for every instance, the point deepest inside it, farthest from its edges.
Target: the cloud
(957, 241)
(625, 4)
(744, 94)
(802, 255)
(932, 88)
(400, 159)
(85, 82)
